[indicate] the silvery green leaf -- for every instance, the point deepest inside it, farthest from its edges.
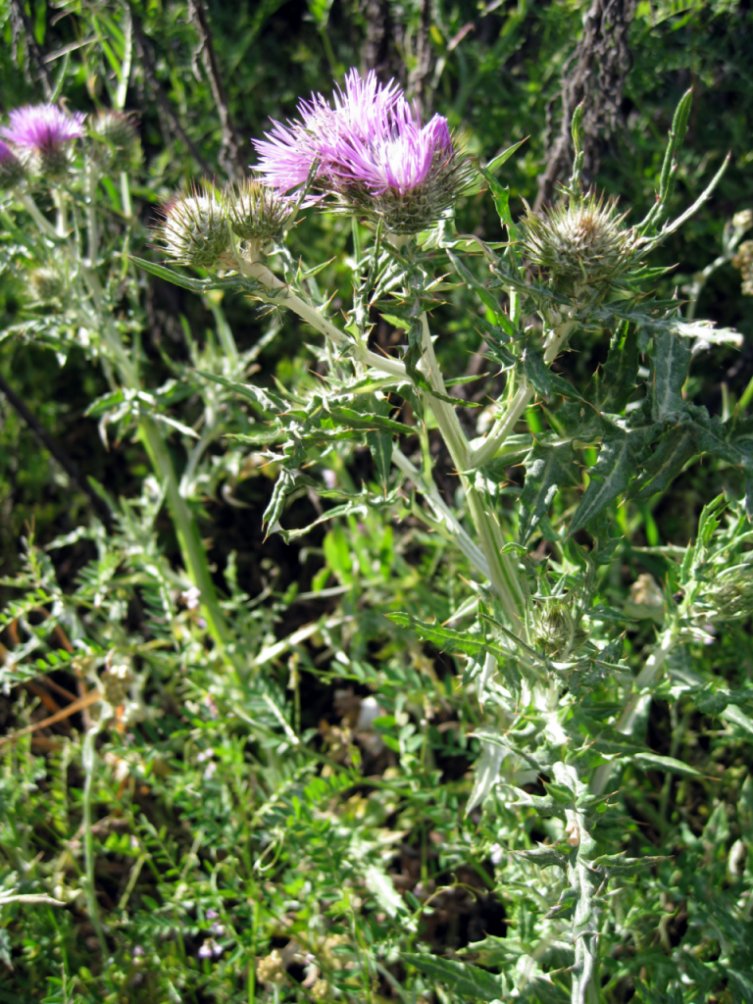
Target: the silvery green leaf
(501, 158)
(547, 469)
(380, 446)
(706, 332)
(733, 714)
(463, 978)
(486, 773)
(670, 370)
(258, 396)
(667, 459)
(615, 381)
(653, 761)
(446, 639)
(379, 883)
(610, 476)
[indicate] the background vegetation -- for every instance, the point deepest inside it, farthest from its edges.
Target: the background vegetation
(299, 832)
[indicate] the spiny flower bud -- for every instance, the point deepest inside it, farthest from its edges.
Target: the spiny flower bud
(555, 628)
(256, 213)
(115, 139)
(581, 245)
(196, 231)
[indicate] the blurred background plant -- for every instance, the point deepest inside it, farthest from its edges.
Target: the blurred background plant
(285, 818)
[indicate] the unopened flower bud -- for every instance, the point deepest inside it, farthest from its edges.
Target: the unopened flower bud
(743, 220)
(196, 231)
(117, 680)
(555, 628)
(256, 213)
(581, 246)
(115, 139)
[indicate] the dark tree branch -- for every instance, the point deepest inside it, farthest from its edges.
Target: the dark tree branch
(384, 40)
(420, 76)
(594, 76)
(230, 157)
(23, 31)
(150, 72)
(56, 451)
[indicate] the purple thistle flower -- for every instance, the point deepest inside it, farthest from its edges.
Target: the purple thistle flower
(369, 149)
(289, 150)
(399, 158)
(43, 128)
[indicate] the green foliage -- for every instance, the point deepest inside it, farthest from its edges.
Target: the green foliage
(271, 730)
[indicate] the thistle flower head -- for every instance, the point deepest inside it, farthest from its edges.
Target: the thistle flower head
(195, 230)
(43, 127)
(288, 151)
(369, 149)
(44, 131)
(11, 168)
(256, 213)
(580, 244)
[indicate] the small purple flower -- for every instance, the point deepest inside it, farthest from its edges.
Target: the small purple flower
(209, 949)
(369, 149)
(43, 128)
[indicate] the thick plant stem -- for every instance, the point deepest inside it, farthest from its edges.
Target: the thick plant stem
(189, 541)
(502, 571)
(505, 424)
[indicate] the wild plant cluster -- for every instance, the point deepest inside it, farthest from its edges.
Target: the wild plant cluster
(482, 741)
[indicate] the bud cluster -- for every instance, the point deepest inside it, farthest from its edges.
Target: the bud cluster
(580, 246)
(207, 228)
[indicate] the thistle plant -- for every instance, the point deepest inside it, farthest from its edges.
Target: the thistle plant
(539, 657)
(526, 493)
